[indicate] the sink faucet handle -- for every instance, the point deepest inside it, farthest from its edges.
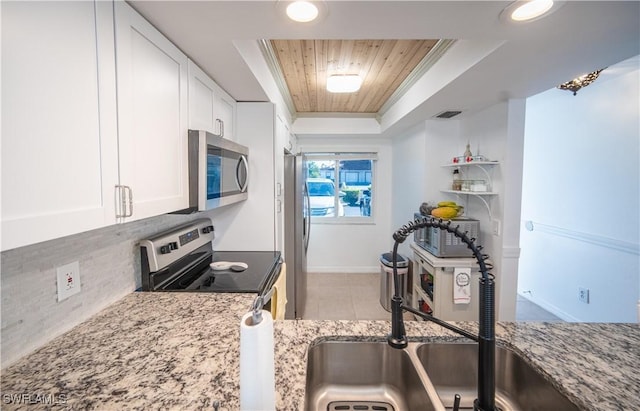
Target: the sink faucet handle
(456, 402)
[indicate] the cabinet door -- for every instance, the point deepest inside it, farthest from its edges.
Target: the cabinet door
(202, 100)
(59, 145)
(152, 115)
(210, 107)
(226, 113)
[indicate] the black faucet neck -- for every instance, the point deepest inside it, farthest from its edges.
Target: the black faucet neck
(486, 333)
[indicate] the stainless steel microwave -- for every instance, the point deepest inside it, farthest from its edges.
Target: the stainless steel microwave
(218, 171)
(442, 243)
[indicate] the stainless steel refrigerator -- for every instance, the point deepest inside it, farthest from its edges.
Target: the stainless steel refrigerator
(297, 226)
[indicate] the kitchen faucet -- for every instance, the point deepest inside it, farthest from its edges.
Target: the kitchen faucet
(486, 331)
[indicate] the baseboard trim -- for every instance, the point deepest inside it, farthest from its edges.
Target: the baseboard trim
(342, 269)
(551, 308)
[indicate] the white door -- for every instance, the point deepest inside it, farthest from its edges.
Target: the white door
(152, 116)
(59, 146)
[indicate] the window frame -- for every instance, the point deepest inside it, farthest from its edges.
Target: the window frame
(336, 158)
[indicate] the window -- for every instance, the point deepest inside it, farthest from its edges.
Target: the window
(340, 186)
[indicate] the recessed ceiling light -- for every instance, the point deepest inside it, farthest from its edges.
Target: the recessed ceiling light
(344, 83)
(302, 11)
(531, 10)
(523, 11)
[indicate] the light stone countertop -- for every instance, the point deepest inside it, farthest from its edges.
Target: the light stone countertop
(181, 351)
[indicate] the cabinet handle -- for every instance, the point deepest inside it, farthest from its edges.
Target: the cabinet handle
(130, 213)
(118, 200)
(220, 124)
(124, 201)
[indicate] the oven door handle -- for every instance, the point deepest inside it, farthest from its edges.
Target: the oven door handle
(267, 296)
(186, 269)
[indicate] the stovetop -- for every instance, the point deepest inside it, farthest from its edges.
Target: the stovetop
(259, 276)
(179, 260)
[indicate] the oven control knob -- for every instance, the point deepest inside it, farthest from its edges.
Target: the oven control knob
(165, 249)
(173, 245)
(207, 229)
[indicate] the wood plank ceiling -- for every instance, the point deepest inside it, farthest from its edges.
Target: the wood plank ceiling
(382, 64)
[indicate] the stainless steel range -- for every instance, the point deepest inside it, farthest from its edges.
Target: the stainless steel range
(181, 260)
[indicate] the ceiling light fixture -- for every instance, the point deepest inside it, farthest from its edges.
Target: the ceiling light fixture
(531, 10)
(302, 11)
(344, 83)
(523, 11)
(580, 82)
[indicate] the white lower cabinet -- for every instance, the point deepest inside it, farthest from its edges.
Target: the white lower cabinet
(59, 140)
(152, 117)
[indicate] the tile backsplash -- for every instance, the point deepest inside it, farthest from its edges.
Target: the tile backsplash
(109, 269)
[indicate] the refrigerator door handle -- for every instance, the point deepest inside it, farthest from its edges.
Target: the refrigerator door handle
(307, 218)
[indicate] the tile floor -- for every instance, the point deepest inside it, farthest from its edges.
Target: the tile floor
(357, 297)
(344, 297)
(528, 311)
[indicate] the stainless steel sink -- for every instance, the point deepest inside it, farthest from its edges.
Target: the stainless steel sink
(370, 376)
(352, 375)
(452, 368)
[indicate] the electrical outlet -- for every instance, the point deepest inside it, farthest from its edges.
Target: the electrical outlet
(583, 295)
(495, 227)
(68, 280)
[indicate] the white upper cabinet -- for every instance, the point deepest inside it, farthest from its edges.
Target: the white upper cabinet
(202, 100)
(152, 117)
(226, 113)
(95, 119)
(59, 142)
(210, 107)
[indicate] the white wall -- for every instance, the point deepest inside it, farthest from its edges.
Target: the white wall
(409, 170)
(250, 225)
(419, 155)
(498, 133)
(582, 195)
(354, 247)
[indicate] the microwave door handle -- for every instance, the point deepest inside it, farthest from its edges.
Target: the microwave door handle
(242, 161)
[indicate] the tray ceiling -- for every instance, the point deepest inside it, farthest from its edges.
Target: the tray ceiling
(383, 65)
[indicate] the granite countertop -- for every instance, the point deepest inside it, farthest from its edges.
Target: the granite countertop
(180, 351)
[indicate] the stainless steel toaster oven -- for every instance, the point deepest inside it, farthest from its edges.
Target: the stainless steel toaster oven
(441, 243)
